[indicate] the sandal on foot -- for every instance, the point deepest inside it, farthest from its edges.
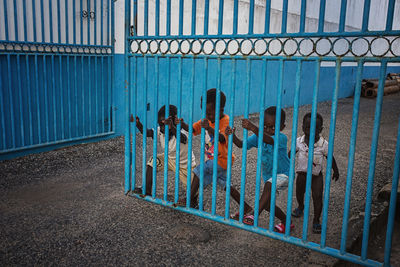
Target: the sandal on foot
(316, 228)
(235, 216)
(297, 213)
(280, 228)
(248, 219)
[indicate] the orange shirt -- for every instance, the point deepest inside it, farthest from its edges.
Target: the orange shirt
(209, 141)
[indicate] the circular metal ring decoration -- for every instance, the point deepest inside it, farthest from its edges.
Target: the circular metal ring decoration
(379, 42)
(208, 47)
(154, 46)
(287, 47)
(184, 47)
(174, 47)
(340, 43)
(220, 47)
(134, 47)
(246, 44)
(359, 44)
(320, 42)
(195, 47)
(260, 47)
(308, 44)
(164, 46)
(234, 45)
(143, 46)
(395, 43)
(277, 44)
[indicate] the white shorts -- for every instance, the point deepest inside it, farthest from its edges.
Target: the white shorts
(282, 181)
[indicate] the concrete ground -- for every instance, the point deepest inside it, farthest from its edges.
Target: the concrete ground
(67, 207)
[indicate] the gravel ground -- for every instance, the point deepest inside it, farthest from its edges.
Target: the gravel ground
(67, 207)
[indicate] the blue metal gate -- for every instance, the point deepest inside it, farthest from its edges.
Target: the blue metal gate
(56, 61)
(174, 52)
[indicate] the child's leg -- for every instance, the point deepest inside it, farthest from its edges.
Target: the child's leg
(317, 186)
(236, 196)
(301, 189)
(265, 203)
(194, 188)
(149, 179)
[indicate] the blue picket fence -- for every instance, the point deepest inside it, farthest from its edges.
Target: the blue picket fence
(55, 73)
(174, 52)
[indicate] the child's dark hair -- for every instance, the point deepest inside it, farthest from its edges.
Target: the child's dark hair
(272, 112)
(212, 97)
(173, 111)
(319, 118)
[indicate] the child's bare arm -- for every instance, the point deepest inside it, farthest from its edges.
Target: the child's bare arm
(247, 124)
(236, 140)
(210, 130)
(170, 122)
(184, 125)
(335, 175)
(139, 125)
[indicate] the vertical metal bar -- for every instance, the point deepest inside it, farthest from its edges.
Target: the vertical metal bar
(244, 147)
(146, 18)
(102, 100)
(311, 149)
(235, 16)
(260, 143)
(352, 149)
(81, 17)
(276, 145)
(267, 15)
(10, 91)
(6, 19)
(332, 128)
(59, 21)
(206, 15)
(155, 126)
(74, 20)
(202, 142)
(38, 100)
(128, 85)
(371, 172)
(168, 18)
(180, 17)
(34, 20)
(365, 22)
(24, 20)
(53, 83)
(96, 95)
(46, 101)
(221, 16)
(89, 88)
(216, 138)
(178, 130)
(189, 164)
(21, 112)
(157, 18)
(83, 98)
(293, 145)
(66, 23)
(390, 13)
(392, 205)
(303, 15)
(61, 87)
(284, 16)
(51, 21)
(102, 24)
(42, 21)
(110, 96)
(112, 69)
(76, 97)
(108, 21)
(95, 23)
(321, 19)
(88, 21)
(133, 129)
(144, 125)
(16, 21)
(230, 139)
(194, 6)
(166, 148)
(28, 80)
(69, 99)
(342, 20)
(3, 127)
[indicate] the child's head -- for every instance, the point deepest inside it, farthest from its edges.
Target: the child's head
(269, 120)
(307, 125)
(173, 111)
(212, 103)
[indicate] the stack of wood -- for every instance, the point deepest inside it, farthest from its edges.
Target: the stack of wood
(369, 87)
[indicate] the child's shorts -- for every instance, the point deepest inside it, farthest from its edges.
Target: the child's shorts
(208, 174)
(282, 181)
(171, 167)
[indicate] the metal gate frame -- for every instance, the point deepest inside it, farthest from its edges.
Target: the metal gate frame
(140, 48)
(56, 76)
